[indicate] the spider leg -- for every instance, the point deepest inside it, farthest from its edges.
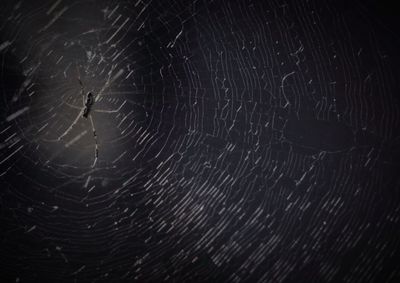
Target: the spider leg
(106, 111)
(70, 127)
(96, 149)
(82, 92)
(111, 111)
(72, 106)
(79, 114)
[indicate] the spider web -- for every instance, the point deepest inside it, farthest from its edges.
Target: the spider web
(239, 141)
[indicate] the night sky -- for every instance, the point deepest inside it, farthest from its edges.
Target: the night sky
(227, 141)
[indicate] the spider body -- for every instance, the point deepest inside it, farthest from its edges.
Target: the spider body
(88, 104)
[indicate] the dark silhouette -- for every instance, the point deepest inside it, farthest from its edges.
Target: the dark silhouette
(88, 104)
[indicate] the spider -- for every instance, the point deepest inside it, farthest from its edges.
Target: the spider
(85, 112)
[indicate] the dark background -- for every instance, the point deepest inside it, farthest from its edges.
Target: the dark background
(239, 141)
